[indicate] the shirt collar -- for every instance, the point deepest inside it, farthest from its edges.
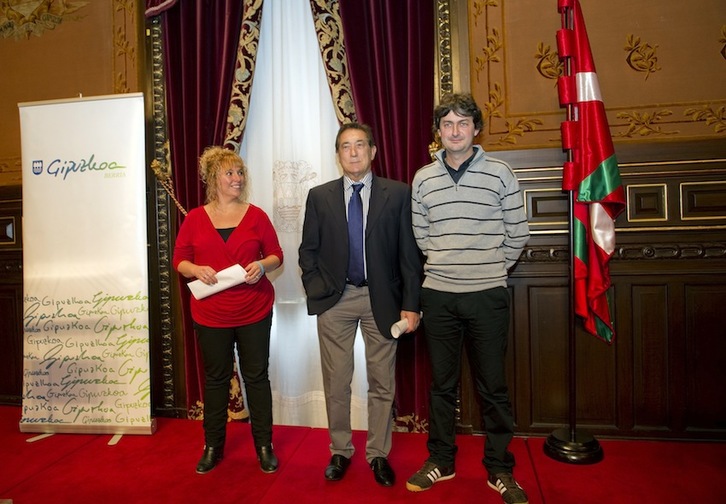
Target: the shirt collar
(347, 182)
(463, 166)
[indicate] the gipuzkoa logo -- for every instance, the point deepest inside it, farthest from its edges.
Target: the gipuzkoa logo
(63, 168)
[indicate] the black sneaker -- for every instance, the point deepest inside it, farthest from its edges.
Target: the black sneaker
(508, 488)
(429, 474)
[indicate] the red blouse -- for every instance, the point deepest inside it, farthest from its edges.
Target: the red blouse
(253, 239)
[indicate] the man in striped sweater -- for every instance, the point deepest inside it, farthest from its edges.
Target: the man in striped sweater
(469, 221)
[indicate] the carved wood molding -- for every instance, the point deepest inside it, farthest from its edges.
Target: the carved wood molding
(633, 252)
(163, 217)
(451, 72)
(687, 251)
(444, 78)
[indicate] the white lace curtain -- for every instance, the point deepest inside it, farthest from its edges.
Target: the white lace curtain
(288, 146)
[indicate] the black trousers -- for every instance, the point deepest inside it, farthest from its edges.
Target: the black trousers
(481, 320)
(253, 347)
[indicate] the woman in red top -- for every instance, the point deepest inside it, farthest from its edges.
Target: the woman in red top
(228, 230)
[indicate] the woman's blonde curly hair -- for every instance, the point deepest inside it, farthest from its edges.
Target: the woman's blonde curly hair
(211, 163)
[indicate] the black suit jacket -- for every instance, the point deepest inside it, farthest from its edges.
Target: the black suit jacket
(393, 260)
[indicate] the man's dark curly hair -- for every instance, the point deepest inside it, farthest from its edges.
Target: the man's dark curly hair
(462, 104)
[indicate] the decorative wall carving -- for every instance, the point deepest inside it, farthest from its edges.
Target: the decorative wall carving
(124, 46)
(660, 251)
(23, 18)
(710, 115)
(642, 56)
(661, 76)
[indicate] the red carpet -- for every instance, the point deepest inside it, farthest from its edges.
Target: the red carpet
(79, 468)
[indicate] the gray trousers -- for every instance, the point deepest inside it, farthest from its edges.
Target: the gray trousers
(336, 333)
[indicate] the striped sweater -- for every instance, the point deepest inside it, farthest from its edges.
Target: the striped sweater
(473, 231)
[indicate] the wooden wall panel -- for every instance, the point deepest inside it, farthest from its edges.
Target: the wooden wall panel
(11, 358)
(11, 295)
(663, 375)
(650, 356)
(548, 342)
(705, 356)
(703, 200)
(596, 383)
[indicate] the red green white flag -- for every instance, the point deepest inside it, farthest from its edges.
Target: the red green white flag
(593, 176)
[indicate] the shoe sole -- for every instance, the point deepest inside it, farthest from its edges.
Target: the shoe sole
(416, 488)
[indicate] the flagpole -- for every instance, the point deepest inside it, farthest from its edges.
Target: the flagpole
(570, 444)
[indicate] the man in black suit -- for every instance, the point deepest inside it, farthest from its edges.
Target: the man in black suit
(376, 291)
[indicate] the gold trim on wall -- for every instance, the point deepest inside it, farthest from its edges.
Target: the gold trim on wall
(125, 60)
(661, 77)
(451, 72)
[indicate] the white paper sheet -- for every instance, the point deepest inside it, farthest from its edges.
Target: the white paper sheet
(226, 278)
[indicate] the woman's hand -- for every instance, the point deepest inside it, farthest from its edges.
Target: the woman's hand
(206, 274)
(255, 270)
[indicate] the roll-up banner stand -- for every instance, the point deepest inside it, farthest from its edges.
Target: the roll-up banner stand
(85, 267)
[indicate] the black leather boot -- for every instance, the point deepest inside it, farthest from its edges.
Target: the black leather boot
(210, 458)
(268, 460)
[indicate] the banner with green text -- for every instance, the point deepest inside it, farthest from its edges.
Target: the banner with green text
(85, 267)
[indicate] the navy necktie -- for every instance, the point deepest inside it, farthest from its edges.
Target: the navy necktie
(356, 273)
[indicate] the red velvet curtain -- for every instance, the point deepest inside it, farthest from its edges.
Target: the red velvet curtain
(390, 50)
(200, 52)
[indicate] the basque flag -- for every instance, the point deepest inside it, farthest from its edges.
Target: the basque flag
(592, 175)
